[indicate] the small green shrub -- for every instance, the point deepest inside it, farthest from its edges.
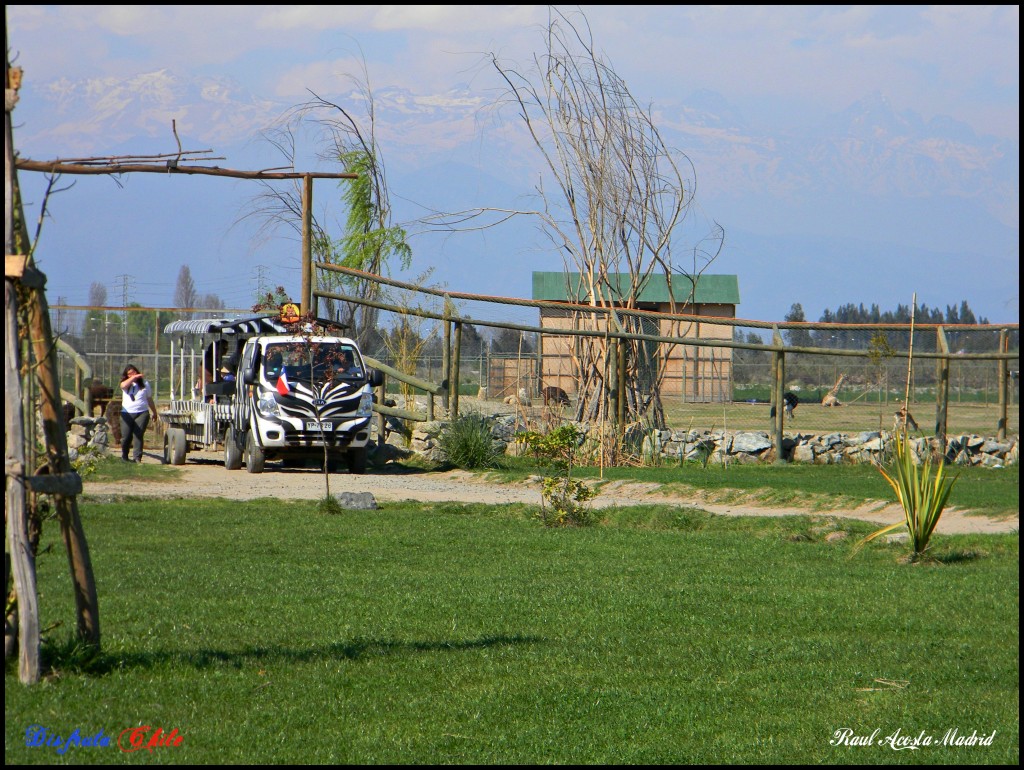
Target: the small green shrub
(564, 502)
(467, 442)
(329, 506)
(89, 457)
(563, 499)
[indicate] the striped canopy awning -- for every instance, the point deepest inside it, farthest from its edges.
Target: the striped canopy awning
(244, 326)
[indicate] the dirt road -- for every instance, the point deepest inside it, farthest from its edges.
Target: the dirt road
(204, 476)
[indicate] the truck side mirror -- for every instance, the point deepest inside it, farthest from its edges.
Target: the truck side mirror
(375, 377)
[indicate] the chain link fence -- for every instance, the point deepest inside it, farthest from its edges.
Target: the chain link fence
(502, 354)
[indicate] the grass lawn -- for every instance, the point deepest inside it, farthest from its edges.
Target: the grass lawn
(266, 633)
(983, 490)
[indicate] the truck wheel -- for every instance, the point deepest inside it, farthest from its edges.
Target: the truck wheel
(232, 450)
(175, 446)
(357, 460)
(254, 457)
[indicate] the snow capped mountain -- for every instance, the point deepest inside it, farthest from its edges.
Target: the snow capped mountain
(870, 147)
(90, 117)
(869, 174)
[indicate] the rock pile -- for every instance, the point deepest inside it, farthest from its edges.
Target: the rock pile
(825, 449)
(87, 432)
(758, 446)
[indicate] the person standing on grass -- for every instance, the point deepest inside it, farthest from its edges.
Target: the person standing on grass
(136, 406)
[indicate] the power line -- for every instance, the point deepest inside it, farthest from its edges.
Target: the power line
(125, 281)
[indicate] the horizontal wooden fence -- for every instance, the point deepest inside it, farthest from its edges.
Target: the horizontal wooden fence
(964, 379)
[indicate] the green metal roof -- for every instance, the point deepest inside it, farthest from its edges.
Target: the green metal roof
(711, 289)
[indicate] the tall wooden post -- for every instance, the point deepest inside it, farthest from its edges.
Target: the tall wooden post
(83, 582)
(1004, 384)
(16, 241)
(941, 390)
(306, 305)
(611, 372)
(778, 389)
(620, 365)
(446, 360)
(456, 359)
(23, 626)
(382, 397)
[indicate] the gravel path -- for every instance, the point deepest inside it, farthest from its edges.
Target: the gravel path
(204, 476)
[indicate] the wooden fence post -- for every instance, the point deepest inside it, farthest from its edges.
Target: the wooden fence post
(381, 419)
(620, 416)
(1004, 384)
(778, 388)
(456, 359)
(446, 362)
(22, 562)
(941, 390)
(82, 579)
(613, 374)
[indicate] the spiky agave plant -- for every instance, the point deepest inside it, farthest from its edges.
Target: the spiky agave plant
(922, 491)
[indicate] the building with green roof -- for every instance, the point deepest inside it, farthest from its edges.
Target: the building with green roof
(713, 292)
(696, 374)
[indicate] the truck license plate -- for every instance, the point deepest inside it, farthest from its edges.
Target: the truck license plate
(326, 426)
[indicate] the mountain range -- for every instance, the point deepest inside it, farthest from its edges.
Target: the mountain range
(872, 189)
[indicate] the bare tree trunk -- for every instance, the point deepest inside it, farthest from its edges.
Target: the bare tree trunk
(612, 195)
(83, 582)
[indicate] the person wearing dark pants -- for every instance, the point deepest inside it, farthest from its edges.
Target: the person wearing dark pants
(136, 406)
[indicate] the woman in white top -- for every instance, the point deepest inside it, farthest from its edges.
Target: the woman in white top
(136, 406)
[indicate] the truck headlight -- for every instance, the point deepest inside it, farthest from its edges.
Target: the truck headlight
(267, 406)
(365, 405)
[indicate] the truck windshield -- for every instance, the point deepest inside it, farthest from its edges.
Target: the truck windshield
(314, 362)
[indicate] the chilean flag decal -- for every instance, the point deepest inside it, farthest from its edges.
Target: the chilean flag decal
(282, 384)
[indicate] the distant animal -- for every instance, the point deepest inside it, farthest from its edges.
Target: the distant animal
(519, 399)
(789, 402)
(832, 397)
(113, 415)
(100, 395)
(555, 395)
(903, 420)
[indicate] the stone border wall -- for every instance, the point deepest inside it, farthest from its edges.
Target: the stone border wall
(822, 449)
(757, 446)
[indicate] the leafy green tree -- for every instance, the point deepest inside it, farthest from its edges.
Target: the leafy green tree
(797, 337)
(185, 294)
(513, 341)
(371, 241)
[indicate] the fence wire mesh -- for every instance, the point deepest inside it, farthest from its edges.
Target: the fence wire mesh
(507, 351)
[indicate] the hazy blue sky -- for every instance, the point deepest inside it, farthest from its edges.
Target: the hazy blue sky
(782, 66)
(936, 60)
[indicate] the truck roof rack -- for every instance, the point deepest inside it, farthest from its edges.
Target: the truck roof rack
(256, 325)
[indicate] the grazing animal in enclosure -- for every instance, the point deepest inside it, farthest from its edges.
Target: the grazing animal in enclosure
(903, 420)
(100, 395)
(520, 399)
(790, 402)
(555, 395)
(831, 398)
